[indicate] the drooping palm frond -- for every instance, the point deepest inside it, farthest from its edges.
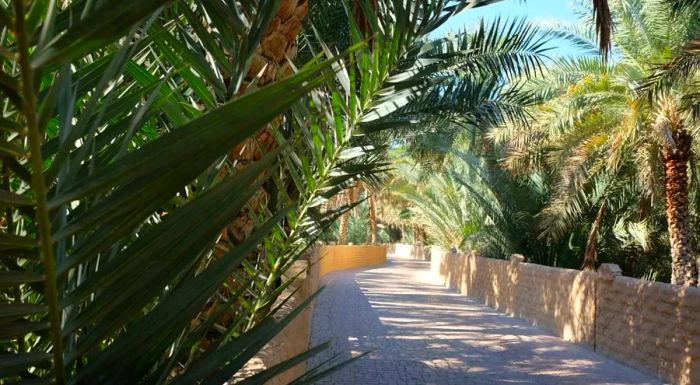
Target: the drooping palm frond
(505, 49)
(582, 37)
(473, 83)
(438, 206)
(116, 128)
(677, 70)
(473, 103)
(679, 6)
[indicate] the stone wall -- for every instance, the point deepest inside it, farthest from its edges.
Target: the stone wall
(294, 338)
(647, 325)
(343, 257)
(651, 325)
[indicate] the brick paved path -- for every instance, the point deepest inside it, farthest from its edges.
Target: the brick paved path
(421, 333)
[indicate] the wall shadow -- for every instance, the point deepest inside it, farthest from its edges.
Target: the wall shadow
(421, 333)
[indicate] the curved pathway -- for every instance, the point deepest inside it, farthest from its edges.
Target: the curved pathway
(418, 332)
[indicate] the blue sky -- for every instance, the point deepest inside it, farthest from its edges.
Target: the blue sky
(535, 10)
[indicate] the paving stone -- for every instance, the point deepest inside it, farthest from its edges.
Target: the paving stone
(417, 332)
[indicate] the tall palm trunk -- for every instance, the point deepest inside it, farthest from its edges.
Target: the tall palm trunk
(277, 47)
(343, 229)
(418, 235)
(590, 257)
(345, 218)
(675, 158)
(270, 63)
(372, 219)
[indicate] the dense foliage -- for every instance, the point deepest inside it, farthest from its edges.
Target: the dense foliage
(604, 168)
(135, 131)
(166, 162)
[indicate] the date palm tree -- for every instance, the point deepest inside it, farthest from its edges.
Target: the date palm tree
(675, 155)
(350, 197)
(271, 60)
(118, 175)
(605, 138)
(673, 118)
(372, 218)
(112, 201)
(458, 113)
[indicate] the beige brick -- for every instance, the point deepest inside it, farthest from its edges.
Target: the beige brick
(649, 325)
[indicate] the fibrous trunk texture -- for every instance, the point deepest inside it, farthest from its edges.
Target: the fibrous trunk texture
(590, 258)
(345, 218)
(277, 47)
(270, 63)
(675, 158)
(372, 219)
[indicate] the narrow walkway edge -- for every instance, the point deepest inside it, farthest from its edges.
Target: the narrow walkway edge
(419, 332)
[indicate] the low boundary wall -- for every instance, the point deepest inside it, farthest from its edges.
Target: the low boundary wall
(294, 338)
(406, 251)
(344, 257)
(651, 326)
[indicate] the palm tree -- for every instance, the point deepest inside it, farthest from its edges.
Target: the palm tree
(372, 218)
(91, 114)
(675, 155)
(600, 136)
(465, 103)
(271, 60)
(126, 134)
(672, 120)
(118, 122)
(579, 146)
(439, 204)
(345, 218)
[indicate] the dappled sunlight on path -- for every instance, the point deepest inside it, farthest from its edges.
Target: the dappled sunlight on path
(421, 333)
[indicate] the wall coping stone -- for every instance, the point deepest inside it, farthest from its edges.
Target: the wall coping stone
(609, 271)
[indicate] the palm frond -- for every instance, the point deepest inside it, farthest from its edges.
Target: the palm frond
(677, 70)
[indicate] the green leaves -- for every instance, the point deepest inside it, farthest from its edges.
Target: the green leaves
(160, 162)
(134, 209)
(472, 79)
(96, 30)
(113, 212)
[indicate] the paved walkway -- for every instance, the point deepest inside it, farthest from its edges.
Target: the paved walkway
(420, 333)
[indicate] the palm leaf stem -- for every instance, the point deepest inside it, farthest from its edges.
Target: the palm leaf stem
(29, 106)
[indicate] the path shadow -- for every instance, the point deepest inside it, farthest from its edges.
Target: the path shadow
(421, 333)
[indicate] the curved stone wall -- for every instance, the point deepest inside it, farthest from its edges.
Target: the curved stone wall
(344, 257)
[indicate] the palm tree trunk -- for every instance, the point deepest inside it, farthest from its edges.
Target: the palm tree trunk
(372, 219)
(270, 63)
(381, 208)
(419, 235)
(277, 47)
(675, 159)
(351, 195)
(590, 258)
(344, 221)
